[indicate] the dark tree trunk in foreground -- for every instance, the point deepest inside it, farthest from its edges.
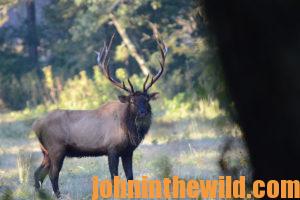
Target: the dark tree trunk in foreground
(32, 38)
(259, 45)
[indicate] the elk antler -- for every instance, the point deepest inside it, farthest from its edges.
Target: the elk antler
(103, 63)
(163, 51)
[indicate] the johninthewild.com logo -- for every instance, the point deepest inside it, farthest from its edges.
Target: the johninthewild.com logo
(224, 187)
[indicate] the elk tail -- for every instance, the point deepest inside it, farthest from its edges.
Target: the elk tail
(37, 128)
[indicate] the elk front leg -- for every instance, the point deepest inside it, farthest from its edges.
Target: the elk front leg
(127, 165)
(113, 163)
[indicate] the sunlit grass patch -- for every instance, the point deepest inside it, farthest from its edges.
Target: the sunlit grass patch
(197, 158)
(181, 130)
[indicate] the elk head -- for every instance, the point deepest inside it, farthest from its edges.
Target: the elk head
(138, 101)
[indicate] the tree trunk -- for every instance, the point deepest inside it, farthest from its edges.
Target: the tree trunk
(31, 37)
(258, 43)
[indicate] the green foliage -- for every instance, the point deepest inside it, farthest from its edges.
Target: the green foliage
(84, 92)
(81, 92)
(177, 107)
(17, 93)
(69, 33)
(210, 109)
(121, 53)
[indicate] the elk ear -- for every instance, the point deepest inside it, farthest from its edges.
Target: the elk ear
(153, 96)
(123, 98)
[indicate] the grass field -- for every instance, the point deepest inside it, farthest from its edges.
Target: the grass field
(190, 148)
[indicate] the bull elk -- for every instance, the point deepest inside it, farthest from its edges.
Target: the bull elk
(115, 129)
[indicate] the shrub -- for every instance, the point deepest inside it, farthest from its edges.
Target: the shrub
(162, 167)
(84, 92)
(24, 165)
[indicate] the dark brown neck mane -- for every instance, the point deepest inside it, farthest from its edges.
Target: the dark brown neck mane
(136, 127)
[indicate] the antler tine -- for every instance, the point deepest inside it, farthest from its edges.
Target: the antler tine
(131, 87)
(103, 63)
(163, 51)
(145, 83)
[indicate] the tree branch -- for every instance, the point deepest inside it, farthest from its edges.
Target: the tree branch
(132, 50)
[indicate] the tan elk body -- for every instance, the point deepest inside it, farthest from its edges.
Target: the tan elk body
(90, 131)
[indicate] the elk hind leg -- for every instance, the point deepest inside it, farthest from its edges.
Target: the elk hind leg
(55, 167)
(42, 171)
